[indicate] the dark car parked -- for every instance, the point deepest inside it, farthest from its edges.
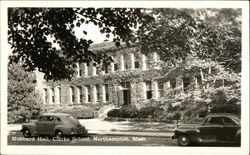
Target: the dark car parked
(54, 124)
(216, 128)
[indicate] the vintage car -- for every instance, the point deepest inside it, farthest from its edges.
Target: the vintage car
(54, 124)
(217, 128)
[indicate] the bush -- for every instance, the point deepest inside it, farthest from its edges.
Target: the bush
(80, 112)
(124, 112)
(113, 113)
(173, 116)
(150, 112)
(129, 111)
(227, 108)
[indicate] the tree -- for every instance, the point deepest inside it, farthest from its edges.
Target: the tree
(177, 34)
(173, 33)
(31, 28)
(218, 89)
(23, 100)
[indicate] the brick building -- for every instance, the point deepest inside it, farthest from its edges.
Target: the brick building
(132, 78)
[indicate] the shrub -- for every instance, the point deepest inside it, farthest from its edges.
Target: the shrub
(124, 112)
(113, 113)
(80, 112)
(129, 111)
(227, 108)
(150, 112)
(173, 116)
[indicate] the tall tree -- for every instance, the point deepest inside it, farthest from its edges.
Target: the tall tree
(173, 33)
(23, 100)
(31, 28)
(178, 33)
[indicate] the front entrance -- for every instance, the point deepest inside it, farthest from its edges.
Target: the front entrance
(124, 94)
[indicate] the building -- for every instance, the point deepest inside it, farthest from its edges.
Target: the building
(133, 78)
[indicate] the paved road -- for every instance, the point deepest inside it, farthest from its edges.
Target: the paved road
(16, 138)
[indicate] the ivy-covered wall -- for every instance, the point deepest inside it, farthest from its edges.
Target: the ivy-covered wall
(136, 78)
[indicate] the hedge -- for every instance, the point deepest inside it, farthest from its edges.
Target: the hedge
(80, 112)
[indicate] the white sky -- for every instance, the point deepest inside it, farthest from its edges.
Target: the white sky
(93, 33)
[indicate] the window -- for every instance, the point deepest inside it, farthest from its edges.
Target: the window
(42, 118)
(147, 61)
(160, 89)
(59, 94)
(228, 120)
(116, 67)
(186, 83)
(214, 120)
(106, 92)
(77, 69)
(149, 90)
(50, 118)
(57, 119)
(88, 94)
(45, 95)
(53, 95)
(98, 93)
(87, 69)
(72, 94)
(106, 69)
(81, 70)
(126, 61)
(79, 94)
(137, 61)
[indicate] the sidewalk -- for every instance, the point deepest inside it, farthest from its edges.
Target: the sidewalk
(126, 128)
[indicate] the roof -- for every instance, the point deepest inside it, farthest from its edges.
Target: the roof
(108, 46)
(222, 114)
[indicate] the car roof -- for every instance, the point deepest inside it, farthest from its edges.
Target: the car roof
(55, 114)
(222, 114)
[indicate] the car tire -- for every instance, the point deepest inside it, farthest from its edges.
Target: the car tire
(184, 140)
(26, 133)
(58, 134)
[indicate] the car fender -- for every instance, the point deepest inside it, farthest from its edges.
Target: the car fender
(31, 127)
(193, 134)
(62, 128)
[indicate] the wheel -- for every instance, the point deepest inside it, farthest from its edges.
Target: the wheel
(58, 134)
(184, 140)
(26, 133)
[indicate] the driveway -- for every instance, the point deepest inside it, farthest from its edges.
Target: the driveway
(101, 127)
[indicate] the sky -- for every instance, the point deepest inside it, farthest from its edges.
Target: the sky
(93, 33)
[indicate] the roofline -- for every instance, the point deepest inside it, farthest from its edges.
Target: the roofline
(211, 114)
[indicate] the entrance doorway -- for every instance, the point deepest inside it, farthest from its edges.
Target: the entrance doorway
(124, 94)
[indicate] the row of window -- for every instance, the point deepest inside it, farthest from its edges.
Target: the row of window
(123, 62)
(93, 94)
(76, 94)
(88, 91)
(55, 94)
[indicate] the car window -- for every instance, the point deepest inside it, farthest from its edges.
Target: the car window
(228, 120)
(214, 120)
(57, 119)
(42, 118)
(50, 118)
(71, 120)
